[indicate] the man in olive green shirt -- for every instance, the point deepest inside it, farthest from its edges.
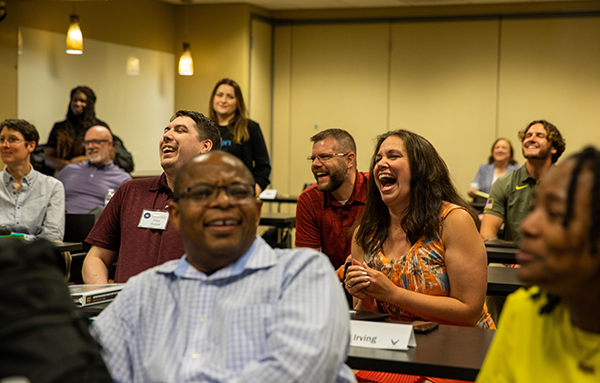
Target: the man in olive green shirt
(510, 196)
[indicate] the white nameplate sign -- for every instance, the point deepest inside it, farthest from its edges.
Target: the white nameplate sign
(268, 194)
(392, 336)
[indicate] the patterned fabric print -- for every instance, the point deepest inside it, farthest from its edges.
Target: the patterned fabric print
(421, 269)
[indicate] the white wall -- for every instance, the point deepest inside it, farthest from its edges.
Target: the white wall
(137, 108)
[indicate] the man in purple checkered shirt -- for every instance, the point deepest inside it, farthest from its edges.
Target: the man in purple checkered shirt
(232, 309)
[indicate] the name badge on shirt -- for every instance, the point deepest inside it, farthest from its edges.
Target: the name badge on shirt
(154, 219)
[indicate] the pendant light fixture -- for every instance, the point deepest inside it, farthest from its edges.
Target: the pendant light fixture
(74, 37)
(186, 63)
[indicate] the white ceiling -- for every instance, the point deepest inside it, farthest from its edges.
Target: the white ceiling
(275, 5)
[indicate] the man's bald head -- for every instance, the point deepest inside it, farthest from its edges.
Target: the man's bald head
(98, 143)
(204, 160)
(215, 210)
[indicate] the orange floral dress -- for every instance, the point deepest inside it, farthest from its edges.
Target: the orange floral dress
(421, 269)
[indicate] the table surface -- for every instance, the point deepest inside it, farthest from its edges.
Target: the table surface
(283, 199)
(452, 352)
(68, 246)
(278, 219)
(502, 280)
(501, 251)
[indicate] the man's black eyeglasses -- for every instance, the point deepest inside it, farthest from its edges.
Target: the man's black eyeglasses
(203, 192)
(93, 142)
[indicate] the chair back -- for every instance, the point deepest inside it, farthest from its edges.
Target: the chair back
(77, 228)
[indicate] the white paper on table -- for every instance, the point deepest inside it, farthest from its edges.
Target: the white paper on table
(268, 194)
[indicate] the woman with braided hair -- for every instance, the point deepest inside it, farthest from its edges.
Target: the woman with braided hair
(550, 332)
(65, 142)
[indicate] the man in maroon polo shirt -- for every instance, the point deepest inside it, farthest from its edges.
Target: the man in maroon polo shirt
(135, 223)
(327, 210)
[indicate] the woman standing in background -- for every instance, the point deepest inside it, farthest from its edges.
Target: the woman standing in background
(65, 141)
(240, 136)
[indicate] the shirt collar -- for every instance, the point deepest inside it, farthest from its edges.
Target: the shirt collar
(101, 167)
(259, 256)
(160, 183)
(356, 196)
(524, 176)
(28, 179)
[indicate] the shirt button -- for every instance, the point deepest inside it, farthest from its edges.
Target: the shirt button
(195, 356)
(201, 318)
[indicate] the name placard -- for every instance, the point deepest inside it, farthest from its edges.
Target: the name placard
(394, 336)
(268, 194)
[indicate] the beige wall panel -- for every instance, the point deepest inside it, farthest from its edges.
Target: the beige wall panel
(281, 153)
(338, 79)
(259, 102)
(220, 42)
(443, 86)
(550, 69)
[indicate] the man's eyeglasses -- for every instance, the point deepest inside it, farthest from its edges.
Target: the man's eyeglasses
(93, 142)
(203, 192)
(325, 157)
(10, 140)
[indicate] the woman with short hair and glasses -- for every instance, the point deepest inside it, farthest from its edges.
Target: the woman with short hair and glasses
(31, 203)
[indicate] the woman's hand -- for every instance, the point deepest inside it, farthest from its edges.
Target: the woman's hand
(364, 282)
(472, 192)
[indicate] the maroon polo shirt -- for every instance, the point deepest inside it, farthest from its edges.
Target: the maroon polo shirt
(117, 229)
(322, 222)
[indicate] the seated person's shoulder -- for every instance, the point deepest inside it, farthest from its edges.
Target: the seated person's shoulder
(310, 193)
(502, 185)
(140, 183)
(530, 301)
(302, 260)
(49, 180)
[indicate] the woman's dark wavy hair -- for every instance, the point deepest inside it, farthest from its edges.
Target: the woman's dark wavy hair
(588, 158)
(430, 186)
(511, 159)
(67, 142)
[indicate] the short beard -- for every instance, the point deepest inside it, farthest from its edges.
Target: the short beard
(98, 159)
(336, 179)
(542, 154)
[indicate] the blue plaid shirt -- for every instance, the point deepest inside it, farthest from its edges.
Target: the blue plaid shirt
(272, 316)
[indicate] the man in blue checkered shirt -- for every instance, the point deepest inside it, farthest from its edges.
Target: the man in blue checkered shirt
(232, 309)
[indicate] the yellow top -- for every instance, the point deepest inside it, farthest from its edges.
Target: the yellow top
(529, 347)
